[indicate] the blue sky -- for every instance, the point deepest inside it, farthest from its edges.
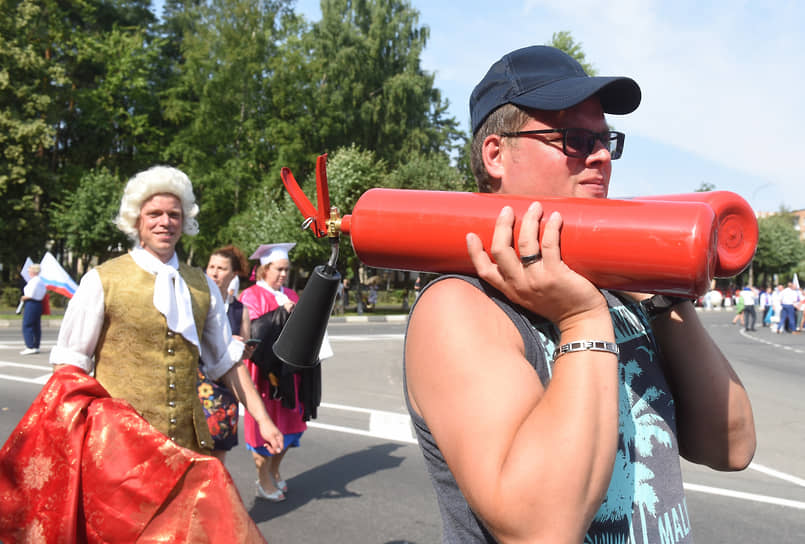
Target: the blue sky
(721, 82)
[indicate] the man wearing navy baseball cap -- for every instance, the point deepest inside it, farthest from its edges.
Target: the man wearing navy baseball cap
(549, 410)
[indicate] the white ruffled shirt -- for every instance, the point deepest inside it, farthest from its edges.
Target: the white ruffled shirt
(83, 320)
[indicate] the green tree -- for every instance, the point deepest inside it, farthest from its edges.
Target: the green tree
(71, 90)
(429, 171)
(222, 102)
(229, 91)
(28, 73)
(779, 248)
(85, 217)
(178, 97)
(107, 111)
(352, 79)
(368, 86)
(118, 123)
(705, 187)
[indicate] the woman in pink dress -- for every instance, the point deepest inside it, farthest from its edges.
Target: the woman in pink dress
(290, 396)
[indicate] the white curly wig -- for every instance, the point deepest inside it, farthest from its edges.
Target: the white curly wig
(156, 180)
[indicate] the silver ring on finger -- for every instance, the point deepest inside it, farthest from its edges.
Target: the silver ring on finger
(529, 259)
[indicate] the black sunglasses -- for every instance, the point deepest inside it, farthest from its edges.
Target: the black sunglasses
(579, 142)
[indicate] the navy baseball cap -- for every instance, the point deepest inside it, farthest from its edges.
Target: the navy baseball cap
(545, 78)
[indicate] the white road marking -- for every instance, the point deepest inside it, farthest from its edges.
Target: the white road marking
(26, 365)
(350, 430)
(777, 474)
(351, 408)
(745, 496)
(39, 380)
(397, 427)
(399, 318)
(762, 340)
(21, 345)
(382, 424)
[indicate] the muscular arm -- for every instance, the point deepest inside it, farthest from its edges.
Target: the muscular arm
(714, 416)
(534, 463)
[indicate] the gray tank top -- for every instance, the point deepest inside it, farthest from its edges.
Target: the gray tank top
(645, 501)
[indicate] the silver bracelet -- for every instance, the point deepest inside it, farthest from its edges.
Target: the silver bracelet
(585, 345)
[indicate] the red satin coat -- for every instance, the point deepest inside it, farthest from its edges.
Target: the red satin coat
(84, 467)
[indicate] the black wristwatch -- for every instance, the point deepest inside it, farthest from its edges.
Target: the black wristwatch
(660, 304)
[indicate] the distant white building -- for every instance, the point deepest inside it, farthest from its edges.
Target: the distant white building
(799, 220)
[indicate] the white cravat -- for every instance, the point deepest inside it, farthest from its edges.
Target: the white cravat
(279, 296)
(171, 295)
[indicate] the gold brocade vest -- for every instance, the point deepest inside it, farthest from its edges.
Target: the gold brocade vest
(138, 359)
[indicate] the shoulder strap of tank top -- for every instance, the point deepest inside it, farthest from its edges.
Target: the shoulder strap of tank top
(523, 319)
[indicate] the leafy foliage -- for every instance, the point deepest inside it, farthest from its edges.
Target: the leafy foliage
(368, 87)
(28, 76)
(229, 91)
(429, 171)
(74, 93)
(117, 124)
(85, 217)
(779, 248)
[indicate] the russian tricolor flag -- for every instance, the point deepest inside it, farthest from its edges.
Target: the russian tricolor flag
(52, 275)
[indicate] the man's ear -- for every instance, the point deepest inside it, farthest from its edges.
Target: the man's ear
(492, 154)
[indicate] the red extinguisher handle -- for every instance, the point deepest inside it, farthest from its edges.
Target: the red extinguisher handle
(315, 218)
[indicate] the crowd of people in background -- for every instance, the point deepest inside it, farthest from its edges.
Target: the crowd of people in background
(781, 308)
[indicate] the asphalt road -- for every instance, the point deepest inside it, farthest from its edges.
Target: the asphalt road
(359, 476)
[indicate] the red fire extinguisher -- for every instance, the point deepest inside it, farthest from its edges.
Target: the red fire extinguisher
(674, 244)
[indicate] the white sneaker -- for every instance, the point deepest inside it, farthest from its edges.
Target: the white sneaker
(29, 351)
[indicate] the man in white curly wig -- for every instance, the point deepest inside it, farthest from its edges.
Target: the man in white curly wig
(156, 180)
(144, 322)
